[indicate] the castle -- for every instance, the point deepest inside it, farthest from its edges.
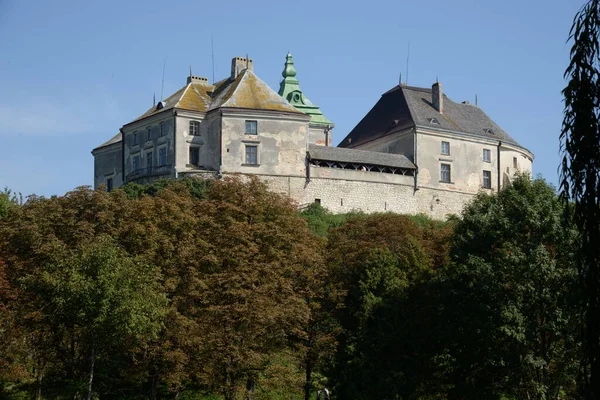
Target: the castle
(415, 151)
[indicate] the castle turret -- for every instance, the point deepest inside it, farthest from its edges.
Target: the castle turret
(289, 89)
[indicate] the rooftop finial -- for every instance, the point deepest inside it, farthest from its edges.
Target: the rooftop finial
(289, 70)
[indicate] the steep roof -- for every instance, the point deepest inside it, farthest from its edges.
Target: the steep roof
(250, 92)
(406, 106)
(247, 91)
(339, 154)
(194, 97)
(115, 139)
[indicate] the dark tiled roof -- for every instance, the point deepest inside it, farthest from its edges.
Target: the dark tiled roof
(457, 117)
(391, 113)
(115, 139)
(406, 106)
(339, 154)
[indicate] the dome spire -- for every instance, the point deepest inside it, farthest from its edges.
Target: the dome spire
(289, 89)
(289, 70)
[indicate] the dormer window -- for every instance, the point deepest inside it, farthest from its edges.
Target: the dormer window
(489, 131)
(433, 121)
(136, 140)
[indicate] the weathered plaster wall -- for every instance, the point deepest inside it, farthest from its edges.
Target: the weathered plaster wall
(508, 156)
(146, 146)
(319, 135)
(465, 159)
(281, 143)
(107, 164)
(207, 141)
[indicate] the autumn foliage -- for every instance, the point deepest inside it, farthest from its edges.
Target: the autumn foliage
(223, 290)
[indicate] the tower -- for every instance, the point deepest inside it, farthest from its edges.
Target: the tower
(289, 89)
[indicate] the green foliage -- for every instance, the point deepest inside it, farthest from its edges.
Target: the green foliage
(8, 199)
(196, 187)
(377, 262)
(512, 295)
(321, 221)
(580, 173)
(192, 290)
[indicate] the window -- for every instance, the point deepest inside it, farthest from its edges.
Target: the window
(194, 155)
(136, 163)
(109, 184)
(251, 128)
(433, 121)
(148, 134)
(136, 139)
(318, 201)
(489, 131)
(251, 155)
(194, 128)
(162, 129)
(162, 157)
(445, 173)
(149, 160)
(515, 165)
(487, 155)
(446, 148)
(487, 179)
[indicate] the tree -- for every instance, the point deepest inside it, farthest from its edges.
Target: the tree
(8, 199)
(580, 173)
(100, 298)
(80, 295)
(379, 261)
(252, 299)
(510, 299)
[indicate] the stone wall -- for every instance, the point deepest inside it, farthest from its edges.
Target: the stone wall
(371, 194)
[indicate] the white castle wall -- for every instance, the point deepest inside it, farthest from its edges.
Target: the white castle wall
(341, 192)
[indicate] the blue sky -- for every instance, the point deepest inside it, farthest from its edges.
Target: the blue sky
(73, 72)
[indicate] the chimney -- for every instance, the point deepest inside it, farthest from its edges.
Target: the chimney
(238, 64)
(437, 97)
(197, 79)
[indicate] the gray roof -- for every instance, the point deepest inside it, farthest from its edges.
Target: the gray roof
(339, 154)
(407, 106)
(115, 139)
(457, 117)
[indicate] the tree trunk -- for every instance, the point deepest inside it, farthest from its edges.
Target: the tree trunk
(38, 389)
(154, 387)
(92, 362)
(307, 379)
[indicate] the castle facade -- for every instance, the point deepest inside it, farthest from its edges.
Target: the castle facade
(416, 151)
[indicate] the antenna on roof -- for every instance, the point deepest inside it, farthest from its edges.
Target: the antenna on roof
(246, 60)
(475, 98)
(400, 79)
(163, 79)
(212, 47)
(407, 60)
(190, 70)
(436, 79)
(154, 99)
